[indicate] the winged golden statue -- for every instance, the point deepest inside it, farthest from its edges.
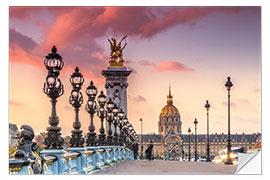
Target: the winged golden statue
(117, 52)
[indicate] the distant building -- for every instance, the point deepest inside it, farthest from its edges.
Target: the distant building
(13, 130)
(170, 140)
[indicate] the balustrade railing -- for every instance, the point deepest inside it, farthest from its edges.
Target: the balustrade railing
(77, 160)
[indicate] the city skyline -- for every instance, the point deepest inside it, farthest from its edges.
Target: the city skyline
(193, 49)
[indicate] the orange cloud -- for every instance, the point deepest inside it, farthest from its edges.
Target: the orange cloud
(18, 54)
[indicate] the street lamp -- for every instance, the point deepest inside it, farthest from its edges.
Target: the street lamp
(54, 89)
(109, 107)
(102, 113)
(207, 106)
(91, 108)
(76, 100)
(189, 131)
(182, 149)
(125, 125)
(121, 115)
(141, 137)
(228, 85)
(196, 122)
(115, 122)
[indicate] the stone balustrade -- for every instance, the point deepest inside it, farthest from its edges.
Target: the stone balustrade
(77, 160)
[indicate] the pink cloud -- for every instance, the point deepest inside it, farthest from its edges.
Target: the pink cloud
(75, 31)
(73, 23)
(172, 66)
(167, 66)
(146, 63)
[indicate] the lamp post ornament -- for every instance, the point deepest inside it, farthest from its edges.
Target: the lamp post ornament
(109, 118)
(121, 115)
(207, 106)
(115, 122)
(54, 89)
(91, 108)
(228, 85)
(76, 100)
(196, 122)
(124, 129)
(141, 137)
(102, 113)
(189, 155)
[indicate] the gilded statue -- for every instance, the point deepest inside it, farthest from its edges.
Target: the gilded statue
(117, 52)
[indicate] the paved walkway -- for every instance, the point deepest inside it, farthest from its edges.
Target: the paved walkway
(167, 167)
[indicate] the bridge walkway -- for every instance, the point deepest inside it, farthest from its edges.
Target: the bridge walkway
(144, 167)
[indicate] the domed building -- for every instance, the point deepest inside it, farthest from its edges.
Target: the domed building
(169, 118)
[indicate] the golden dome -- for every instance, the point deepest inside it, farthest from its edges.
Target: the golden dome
(169, 109)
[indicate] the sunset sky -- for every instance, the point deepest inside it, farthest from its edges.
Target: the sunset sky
(193, 49)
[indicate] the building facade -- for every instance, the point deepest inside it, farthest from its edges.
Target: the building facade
(170, 140)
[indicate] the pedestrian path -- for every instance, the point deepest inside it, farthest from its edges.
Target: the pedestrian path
(167, 167)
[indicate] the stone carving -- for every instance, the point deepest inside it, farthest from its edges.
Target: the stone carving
(26, 149)
(116, 98)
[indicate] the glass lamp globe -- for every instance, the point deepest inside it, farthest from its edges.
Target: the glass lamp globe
(91, 90)
(76, 79)
(110, 105)
(102, 98)
(53, 61)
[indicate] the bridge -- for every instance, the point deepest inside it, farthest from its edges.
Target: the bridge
(71, 161)
(156, 167)
(108, 152)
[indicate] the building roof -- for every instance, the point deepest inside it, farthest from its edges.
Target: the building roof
(203, 137)
(169, 109)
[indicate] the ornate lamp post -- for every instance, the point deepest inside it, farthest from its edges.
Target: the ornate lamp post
(196, 122)
(228, 85)
(54, 89)
(189, 131)
(207, 106)
(125, 126)
(182, 149)
(129, 132)
(109, 107)
(115, 122)
(141, 137)
(102, 113)
(76, 100)
(91, 108)
(121, 115)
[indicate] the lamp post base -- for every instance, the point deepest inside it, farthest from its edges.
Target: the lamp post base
(91, 139)
(109, 140)
(228, 161)
(102, 140)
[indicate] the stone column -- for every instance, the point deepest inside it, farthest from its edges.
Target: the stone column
(116, 87)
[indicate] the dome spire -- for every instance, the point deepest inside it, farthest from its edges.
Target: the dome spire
(169, 97)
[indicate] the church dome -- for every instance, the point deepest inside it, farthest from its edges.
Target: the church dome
(169, 118)
(169, 110)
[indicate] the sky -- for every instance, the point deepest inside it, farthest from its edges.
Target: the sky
(192, 49)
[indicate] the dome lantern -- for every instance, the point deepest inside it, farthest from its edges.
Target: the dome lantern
(169, 97)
